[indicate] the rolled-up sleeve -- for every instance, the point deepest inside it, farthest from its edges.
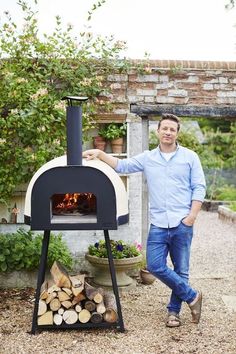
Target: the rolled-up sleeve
(131, 165)
(198, 183)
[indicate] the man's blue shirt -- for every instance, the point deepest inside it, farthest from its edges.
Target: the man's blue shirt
(172, 184)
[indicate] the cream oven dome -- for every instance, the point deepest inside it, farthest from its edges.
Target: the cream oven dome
(70, 197)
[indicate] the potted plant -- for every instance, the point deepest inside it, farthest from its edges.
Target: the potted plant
(125, 256)
(146, 277)
(100, 141)
(115, 132)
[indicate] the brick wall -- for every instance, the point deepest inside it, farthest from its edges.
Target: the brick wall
(173, 82)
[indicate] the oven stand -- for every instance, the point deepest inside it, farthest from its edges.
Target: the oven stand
(41, 276)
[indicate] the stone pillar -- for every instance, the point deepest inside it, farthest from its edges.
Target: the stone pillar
(145, 210)
(137, 142)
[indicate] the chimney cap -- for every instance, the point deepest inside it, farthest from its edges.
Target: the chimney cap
(74, 98)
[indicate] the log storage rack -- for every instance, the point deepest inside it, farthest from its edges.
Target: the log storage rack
(57, 178)
(119, 324)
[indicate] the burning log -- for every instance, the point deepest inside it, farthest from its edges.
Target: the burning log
(69, 299)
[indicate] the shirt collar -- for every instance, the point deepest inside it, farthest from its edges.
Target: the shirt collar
(177, 148)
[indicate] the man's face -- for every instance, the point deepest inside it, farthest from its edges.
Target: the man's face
(168, 132)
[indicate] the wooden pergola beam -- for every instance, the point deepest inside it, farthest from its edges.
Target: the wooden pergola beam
(110, 117)
(228, 112)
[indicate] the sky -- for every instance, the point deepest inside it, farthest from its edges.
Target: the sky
(165, 29)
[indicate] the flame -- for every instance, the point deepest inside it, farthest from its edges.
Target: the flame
(76, 201)
(70, 200)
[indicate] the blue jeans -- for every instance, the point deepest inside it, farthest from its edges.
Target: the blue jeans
(177, 242)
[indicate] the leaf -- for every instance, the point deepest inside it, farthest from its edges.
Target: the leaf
(2, 258)
(3, 266)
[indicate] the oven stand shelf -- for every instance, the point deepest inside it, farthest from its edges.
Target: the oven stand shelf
(41, 276)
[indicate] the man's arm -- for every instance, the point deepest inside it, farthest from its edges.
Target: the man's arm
(198, 186)
(101, 155)
(195, 208)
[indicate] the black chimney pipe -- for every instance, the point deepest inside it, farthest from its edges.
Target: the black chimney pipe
(74, 130)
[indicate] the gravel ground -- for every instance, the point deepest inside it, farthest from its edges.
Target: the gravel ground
(144, 310)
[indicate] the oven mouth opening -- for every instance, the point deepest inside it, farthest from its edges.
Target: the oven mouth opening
(73, 208)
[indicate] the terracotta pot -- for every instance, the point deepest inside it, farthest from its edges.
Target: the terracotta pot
(146, 277)
(117, 145)
(99, 143)
(102, 272)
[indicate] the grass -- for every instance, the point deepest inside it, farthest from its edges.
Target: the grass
(232, 206)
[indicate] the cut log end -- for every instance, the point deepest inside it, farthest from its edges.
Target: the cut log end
(70, 316)
(84, 316)
(46, 318)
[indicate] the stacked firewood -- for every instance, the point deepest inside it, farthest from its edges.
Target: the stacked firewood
(70, 299)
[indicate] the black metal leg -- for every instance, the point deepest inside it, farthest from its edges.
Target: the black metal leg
(113, 279)
(41, 277)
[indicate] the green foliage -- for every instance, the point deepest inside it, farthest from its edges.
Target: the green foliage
(209, 124)
(22, 250)
(35, 74)
(209, 158)
(153, 140)
(94, 8)
(218, 187)
(113, 131)
(223, 146)
(232, 206)
(214, 181)
(225, 192)
(190, 141)
(102, 131)
(119, 249)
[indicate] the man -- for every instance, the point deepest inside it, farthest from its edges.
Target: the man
(176, 186)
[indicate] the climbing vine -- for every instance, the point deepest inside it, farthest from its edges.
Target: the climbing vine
(35, 73)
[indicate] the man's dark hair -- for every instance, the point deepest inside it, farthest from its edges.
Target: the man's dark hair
(169, 116)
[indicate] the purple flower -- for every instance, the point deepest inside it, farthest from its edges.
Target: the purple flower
(96, 244)
(119, 247)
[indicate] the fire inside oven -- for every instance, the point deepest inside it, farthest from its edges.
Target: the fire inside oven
(74, 208)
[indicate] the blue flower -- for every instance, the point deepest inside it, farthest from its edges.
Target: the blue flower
(119, 247)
